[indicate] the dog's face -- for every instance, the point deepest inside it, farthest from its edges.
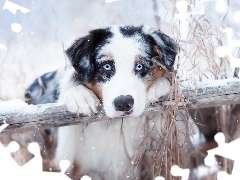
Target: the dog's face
(120, 64)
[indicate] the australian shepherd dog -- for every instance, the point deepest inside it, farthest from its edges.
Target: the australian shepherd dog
(119, 70)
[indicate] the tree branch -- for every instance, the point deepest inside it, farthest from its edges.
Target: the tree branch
(213, 93)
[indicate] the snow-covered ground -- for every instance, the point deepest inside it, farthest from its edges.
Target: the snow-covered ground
(50, 23)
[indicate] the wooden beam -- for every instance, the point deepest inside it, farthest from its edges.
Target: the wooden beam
(43, 116)
(209, 94)
(214, 93)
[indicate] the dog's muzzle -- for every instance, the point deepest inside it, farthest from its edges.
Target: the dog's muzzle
(123, 103)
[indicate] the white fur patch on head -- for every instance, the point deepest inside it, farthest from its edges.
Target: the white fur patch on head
(124, 51)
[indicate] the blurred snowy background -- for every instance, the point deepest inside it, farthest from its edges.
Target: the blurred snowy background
(50, 24)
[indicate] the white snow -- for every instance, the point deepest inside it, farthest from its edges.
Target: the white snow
(209, 82)
(12, 7)
(13, 105)
(18, 108)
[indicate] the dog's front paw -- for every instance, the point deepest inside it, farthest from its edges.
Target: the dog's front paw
(79, 99)
(160, 88)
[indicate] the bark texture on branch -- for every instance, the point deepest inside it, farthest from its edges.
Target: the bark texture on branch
(31, 117)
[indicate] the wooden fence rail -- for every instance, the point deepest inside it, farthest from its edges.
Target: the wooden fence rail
(208, 94)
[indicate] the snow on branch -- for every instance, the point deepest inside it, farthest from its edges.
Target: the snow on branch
(22, 117)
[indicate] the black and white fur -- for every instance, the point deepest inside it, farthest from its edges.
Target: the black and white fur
(116, 68)
(123, 48)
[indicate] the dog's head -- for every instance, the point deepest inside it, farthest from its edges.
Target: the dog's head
(120, 64)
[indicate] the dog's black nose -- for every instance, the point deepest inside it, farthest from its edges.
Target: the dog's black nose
(123, 103)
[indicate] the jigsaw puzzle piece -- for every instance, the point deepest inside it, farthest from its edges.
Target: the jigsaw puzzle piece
(227, 150)
(33, 168)
(3, 126)
(159, 178)
(236, 16)
(110, 1)
(86, 178)
(35, 164)
(223, 176)
(177, 171)
(233, 43)
(210, 159)
(223, 51)
(12, 7)
(2, 46)
(221, 6)
(182, 9)
(64, 164)
(236, 168)
(7, 164)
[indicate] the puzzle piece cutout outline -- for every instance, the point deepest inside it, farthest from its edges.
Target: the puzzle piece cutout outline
(236, 16)
(223, 51)
(228, 150)
(110, 1)
(16, 27)
(182, 9)
(177, 172)
(35, 164)
(2, 46)
(33, 168)
(12, 7)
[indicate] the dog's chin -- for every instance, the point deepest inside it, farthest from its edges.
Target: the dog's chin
(116, 114)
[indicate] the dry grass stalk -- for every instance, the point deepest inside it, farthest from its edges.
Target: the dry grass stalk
(168, 139)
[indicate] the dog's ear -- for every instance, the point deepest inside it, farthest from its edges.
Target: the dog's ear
(82, 53)
(79, 54)
(167, 46)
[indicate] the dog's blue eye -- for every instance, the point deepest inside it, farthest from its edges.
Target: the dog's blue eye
(107, 67)
(139, 67)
